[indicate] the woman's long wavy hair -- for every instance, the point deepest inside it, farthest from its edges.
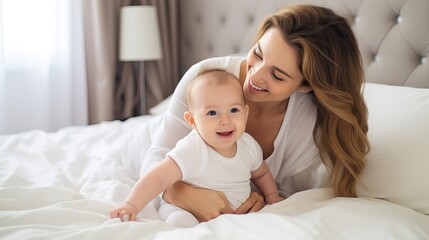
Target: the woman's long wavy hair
(331, 64)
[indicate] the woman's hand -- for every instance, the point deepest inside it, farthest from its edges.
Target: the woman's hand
(204, 204)
(254, 203)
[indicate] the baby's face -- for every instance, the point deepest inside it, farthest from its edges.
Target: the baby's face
(220, 113)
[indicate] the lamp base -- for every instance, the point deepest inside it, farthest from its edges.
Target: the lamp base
(142, 87)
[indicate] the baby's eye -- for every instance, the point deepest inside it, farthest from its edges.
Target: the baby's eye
(235, 110)
(211, 113)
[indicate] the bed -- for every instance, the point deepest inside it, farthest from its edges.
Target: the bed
(62, 185)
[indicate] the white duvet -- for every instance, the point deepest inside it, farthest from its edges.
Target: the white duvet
(62, 185)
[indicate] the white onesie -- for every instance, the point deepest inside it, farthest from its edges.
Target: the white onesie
(203, 167)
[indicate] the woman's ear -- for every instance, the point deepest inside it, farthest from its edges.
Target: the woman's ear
(305, 89)
(189, 118)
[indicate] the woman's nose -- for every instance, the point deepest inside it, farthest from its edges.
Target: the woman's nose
(257, 71)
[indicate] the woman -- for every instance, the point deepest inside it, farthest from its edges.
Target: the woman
(302, 81)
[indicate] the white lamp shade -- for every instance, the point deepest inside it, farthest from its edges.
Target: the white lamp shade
(139, 34)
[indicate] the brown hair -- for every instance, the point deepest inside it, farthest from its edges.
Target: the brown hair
(331, 64)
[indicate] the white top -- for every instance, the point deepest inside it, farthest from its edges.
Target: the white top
(203, 167)
(295, 162)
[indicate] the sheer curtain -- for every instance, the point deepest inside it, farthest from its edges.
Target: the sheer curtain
(42, 66)
(2, 83)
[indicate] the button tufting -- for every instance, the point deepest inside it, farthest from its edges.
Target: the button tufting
(399, 19)
(251, 19)
(223, 20)
(423, 60)
(357, 19)
(376, 57)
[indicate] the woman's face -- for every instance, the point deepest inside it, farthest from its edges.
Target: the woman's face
(272, 69)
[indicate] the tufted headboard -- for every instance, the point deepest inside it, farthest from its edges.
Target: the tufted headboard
(393, 35)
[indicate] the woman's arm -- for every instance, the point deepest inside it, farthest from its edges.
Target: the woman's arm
(254, 203)
(204, 204)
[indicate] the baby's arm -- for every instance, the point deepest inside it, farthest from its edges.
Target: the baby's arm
(162, 176)
(264, 181)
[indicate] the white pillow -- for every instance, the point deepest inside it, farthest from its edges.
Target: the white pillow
(398, 163)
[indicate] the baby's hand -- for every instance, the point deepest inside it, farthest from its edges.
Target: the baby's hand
(274, 198)
(126, 212)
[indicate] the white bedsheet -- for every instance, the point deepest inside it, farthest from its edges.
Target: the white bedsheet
(62, 185)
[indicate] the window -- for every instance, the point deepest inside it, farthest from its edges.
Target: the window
(43, 73)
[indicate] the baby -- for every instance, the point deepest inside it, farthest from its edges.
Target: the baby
(216, 154)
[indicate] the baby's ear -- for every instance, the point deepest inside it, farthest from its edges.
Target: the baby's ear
(246, 108)
(189, 118)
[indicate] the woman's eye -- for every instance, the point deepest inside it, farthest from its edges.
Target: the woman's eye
(211, 113)
(235, 110)
(275, 76)
(257, 54)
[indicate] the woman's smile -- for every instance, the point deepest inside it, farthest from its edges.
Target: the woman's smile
(256, 87)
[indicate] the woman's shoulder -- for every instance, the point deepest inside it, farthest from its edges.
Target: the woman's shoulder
(219, 61)
(228, 63)
(302, 104)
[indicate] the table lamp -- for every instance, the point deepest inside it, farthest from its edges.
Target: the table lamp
(139, 41)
